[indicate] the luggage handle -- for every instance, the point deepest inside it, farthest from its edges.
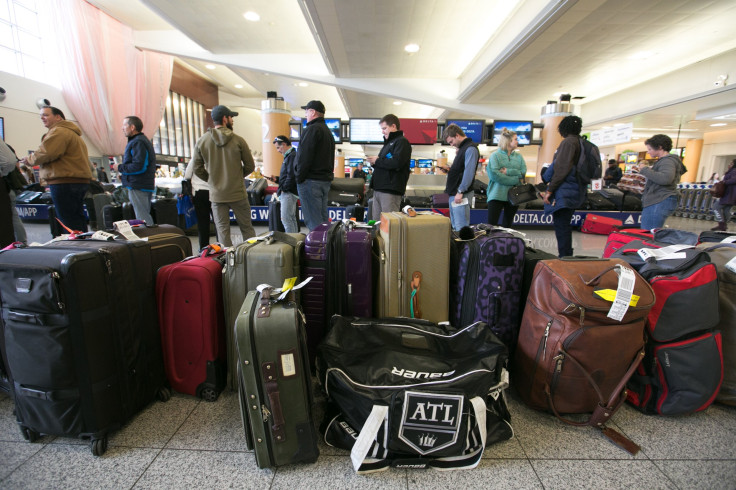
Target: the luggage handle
(274, 400)
(604, 410)
(597, 279)
(25, 317)
(211, 249)
(720, 245)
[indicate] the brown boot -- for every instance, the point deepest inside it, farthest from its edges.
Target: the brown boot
(721, 226)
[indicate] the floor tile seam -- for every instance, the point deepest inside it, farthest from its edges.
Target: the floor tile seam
(148, 466)
(184, 421)
(26, 460)
(661, 470)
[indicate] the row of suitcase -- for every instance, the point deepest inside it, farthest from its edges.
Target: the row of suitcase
(695, 203)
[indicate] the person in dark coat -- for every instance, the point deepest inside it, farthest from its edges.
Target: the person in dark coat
(565, 192)
(613, 174)
(287, 184)
(391, 168)
(138, 170)
(722, 206)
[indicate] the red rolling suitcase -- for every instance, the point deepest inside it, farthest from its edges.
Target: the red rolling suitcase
(600, 225)
(192, 319)
(338, 258)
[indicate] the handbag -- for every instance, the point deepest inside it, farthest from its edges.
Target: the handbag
(522, 193)
(185, 207)
(718, 189)
(411, 393)
(632, 182)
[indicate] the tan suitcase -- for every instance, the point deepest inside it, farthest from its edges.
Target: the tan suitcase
(268, 260)
(413, 251)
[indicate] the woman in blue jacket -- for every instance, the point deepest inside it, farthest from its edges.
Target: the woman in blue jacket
(506, 168)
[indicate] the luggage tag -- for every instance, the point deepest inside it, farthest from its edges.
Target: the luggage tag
(665, 253)
(624, 293)
(124, 228)
(610, 295)
(285, 288)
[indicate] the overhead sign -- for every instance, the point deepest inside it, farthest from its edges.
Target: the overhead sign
(619, 133)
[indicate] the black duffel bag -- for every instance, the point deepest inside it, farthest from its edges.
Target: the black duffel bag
(413, 394)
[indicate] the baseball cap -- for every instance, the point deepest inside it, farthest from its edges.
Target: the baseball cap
(281, 139)
(220, 111)
(316, 105)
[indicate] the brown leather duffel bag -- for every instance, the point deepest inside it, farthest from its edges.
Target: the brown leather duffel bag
(572, 357)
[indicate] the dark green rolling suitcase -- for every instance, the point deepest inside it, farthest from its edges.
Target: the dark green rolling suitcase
(274, 381)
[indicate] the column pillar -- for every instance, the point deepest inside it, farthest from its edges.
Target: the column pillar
(275, 116)
(551, 139)
(693, 150)
(339, 165)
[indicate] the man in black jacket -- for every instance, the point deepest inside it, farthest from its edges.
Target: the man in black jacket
(315, 165)
(390, 168)
(287, 184)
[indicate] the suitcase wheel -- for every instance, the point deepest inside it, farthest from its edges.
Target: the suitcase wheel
(208, 395)
(29, 435)
(99, 446)
(164, 394)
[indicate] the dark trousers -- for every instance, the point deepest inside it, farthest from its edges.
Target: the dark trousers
(69, 203)
(494, 212)
(202, 208)
(563, 231)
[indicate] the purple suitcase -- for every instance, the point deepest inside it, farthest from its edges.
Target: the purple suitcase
(440, 201)
(338, 258)
(485, 282)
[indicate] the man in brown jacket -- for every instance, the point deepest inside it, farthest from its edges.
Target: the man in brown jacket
(64, 166)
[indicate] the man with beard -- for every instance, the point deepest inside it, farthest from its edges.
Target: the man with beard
(223, 159)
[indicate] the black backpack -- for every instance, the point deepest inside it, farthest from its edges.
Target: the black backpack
(589, 165)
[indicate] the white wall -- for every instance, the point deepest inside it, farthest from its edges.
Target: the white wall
(23, 128)
(718, 148)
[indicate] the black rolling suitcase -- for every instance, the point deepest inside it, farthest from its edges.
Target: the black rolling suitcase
(274, 381)
(164, 212)
(274, 217)
(256, 192)
(116, 212)
(81, 337)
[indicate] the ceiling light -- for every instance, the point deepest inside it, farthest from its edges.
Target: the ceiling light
(411, 48)
(237, 85)
(718, 124)
(397, 102)
(641, 55)
(209, 66)
(252, 16)
(303, 84)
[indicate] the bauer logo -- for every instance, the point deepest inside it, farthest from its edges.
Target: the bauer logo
(430, 421)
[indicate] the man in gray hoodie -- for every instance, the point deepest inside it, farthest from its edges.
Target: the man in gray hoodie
(223, 159)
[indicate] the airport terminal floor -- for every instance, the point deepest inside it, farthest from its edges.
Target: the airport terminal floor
(189, 443)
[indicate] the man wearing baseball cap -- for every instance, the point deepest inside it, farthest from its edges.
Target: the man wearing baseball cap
(315, 165)
(287, 184)
(223, 159)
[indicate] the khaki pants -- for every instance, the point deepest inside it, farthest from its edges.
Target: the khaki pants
(221, 215)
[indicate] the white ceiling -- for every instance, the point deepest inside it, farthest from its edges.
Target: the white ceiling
(484, 58)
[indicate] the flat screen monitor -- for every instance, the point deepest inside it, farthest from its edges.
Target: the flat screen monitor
(420, 131)
(523, 130)
(2, 128)
(473, 128)
(366, 131)
(295, 131)
(412, 163)
(333, 124)
(424, 163)
(353, 162)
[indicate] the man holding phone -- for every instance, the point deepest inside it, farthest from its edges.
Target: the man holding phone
(390, 168)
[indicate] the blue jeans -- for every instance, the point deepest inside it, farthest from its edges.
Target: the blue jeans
(288, 212)
(563, 231)
(313, 195)
(141, 201)
(655, 215)
(69, 203)
(460, 215)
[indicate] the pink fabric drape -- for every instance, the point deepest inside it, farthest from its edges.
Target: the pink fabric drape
(104, 77)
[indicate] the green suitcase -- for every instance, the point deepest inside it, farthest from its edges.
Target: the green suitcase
(274, 381)
(269, 259)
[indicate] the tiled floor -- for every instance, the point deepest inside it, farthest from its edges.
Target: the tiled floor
(188, 443)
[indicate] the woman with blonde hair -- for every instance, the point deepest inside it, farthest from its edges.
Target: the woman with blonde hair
(506, 168)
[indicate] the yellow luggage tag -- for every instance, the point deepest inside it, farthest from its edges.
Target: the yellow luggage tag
(610, 295)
